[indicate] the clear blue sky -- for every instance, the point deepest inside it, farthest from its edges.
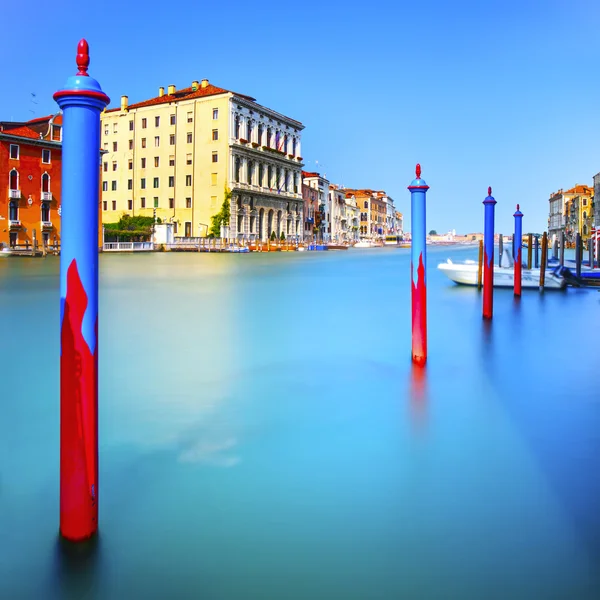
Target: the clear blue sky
(499, 92)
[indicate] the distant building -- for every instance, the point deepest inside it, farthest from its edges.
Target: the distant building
(597, 201)
(311, 207)
(323, 216)
(337, 210)
(399, 222)
(30, 181)
(352, 217)
(562, 218)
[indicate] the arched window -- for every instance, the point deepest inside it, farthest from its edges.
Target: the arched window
(285, 143)
(237, 169)
(13, 211)
(249, 171)
(585, 230)
(584, 215)
(269, 175)
(294, 146)
(249, 130)
(260, 174)
(237, 127)
(46, 211)
(366, 204)
(269, 137)
(260, 133)
(13, 180)
(45, 183)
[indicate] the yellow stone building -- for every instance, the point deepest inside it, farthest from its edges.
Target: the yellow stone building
(177, 153)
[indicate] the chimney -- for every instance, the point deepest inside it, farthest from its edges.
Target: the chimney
(204, 83)
(171, 90)
(161, 91)
(194, 86)
(124, 102)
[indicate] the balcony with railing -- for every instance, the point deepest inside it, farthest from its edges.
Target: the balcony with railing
(46, 224)
(46, 196)
(14, 194)
(14, 224)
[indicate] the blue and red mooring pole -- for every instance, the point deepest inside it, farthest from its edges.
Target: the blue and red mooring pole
(81, 101)
(488, 256)
(418, 268)
(518, 249)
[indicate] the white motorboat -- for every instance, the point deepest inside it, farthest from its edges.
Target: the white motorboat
(4, 252)
(367, 244)
(465, 273)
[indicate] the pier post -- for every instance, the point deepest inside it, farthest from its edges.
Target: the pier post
(591, 251)
(500, 248)
(518, 250)
(544, 261)
(488, 255)
(418, 267)
(555, 249)
(529, 250)
(578, 255)
(562, 248)
(81, 101)
(537, 251)
(480, 265)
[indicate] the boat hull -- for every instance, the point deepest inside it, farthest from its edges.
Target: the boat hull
(466, 274)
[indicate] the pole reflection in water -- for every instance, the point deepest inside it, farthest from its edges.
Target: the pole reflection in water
(418, 395)
(75, 568)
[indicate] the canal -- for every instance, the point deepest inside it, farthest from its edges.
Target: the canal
(263, 434)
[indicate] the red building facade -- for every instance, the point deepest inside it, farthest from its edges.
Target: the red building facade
(30, 182)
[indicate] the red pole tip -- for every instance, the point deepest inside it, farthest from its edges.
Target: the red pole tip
(418, 171)
(83, 57)
(489, 191)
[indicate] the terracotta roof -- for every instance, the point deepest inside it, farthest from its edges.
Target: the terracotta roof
(183, 94)
(580, 189)
(57, 120)
(23, 132)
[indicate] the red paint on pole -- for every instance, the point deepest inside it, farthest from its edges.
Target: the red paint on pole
(78, 418)
(488, 286)
(419, 316)
(518, 272)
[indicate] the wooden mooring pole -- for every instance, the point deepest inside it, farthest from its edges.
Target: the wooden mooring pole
(500, 249)
(578, 255)
(544, 260)
(529, 250)
(480, 267)
(562, 248)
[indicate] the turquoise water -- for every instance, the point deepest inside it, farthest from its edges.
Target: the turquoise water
(264, 435)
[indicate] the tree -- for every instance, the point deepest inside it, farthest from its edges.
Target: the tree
(129, 229)
(222, 217)
(273, 236)
(433, 232)
(282, 237)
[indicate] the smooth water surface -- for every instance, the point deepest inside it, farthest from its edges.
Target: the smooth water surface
(263, 434)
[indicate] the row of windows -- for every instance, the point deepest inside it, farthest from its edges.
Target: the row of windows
(13, 181)
(13, 211)
(275, 177)
(15, 152)
(188, 160)
(172, 121)
(189, 138)
(155, 203)
(155, 182)
(281, 141)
